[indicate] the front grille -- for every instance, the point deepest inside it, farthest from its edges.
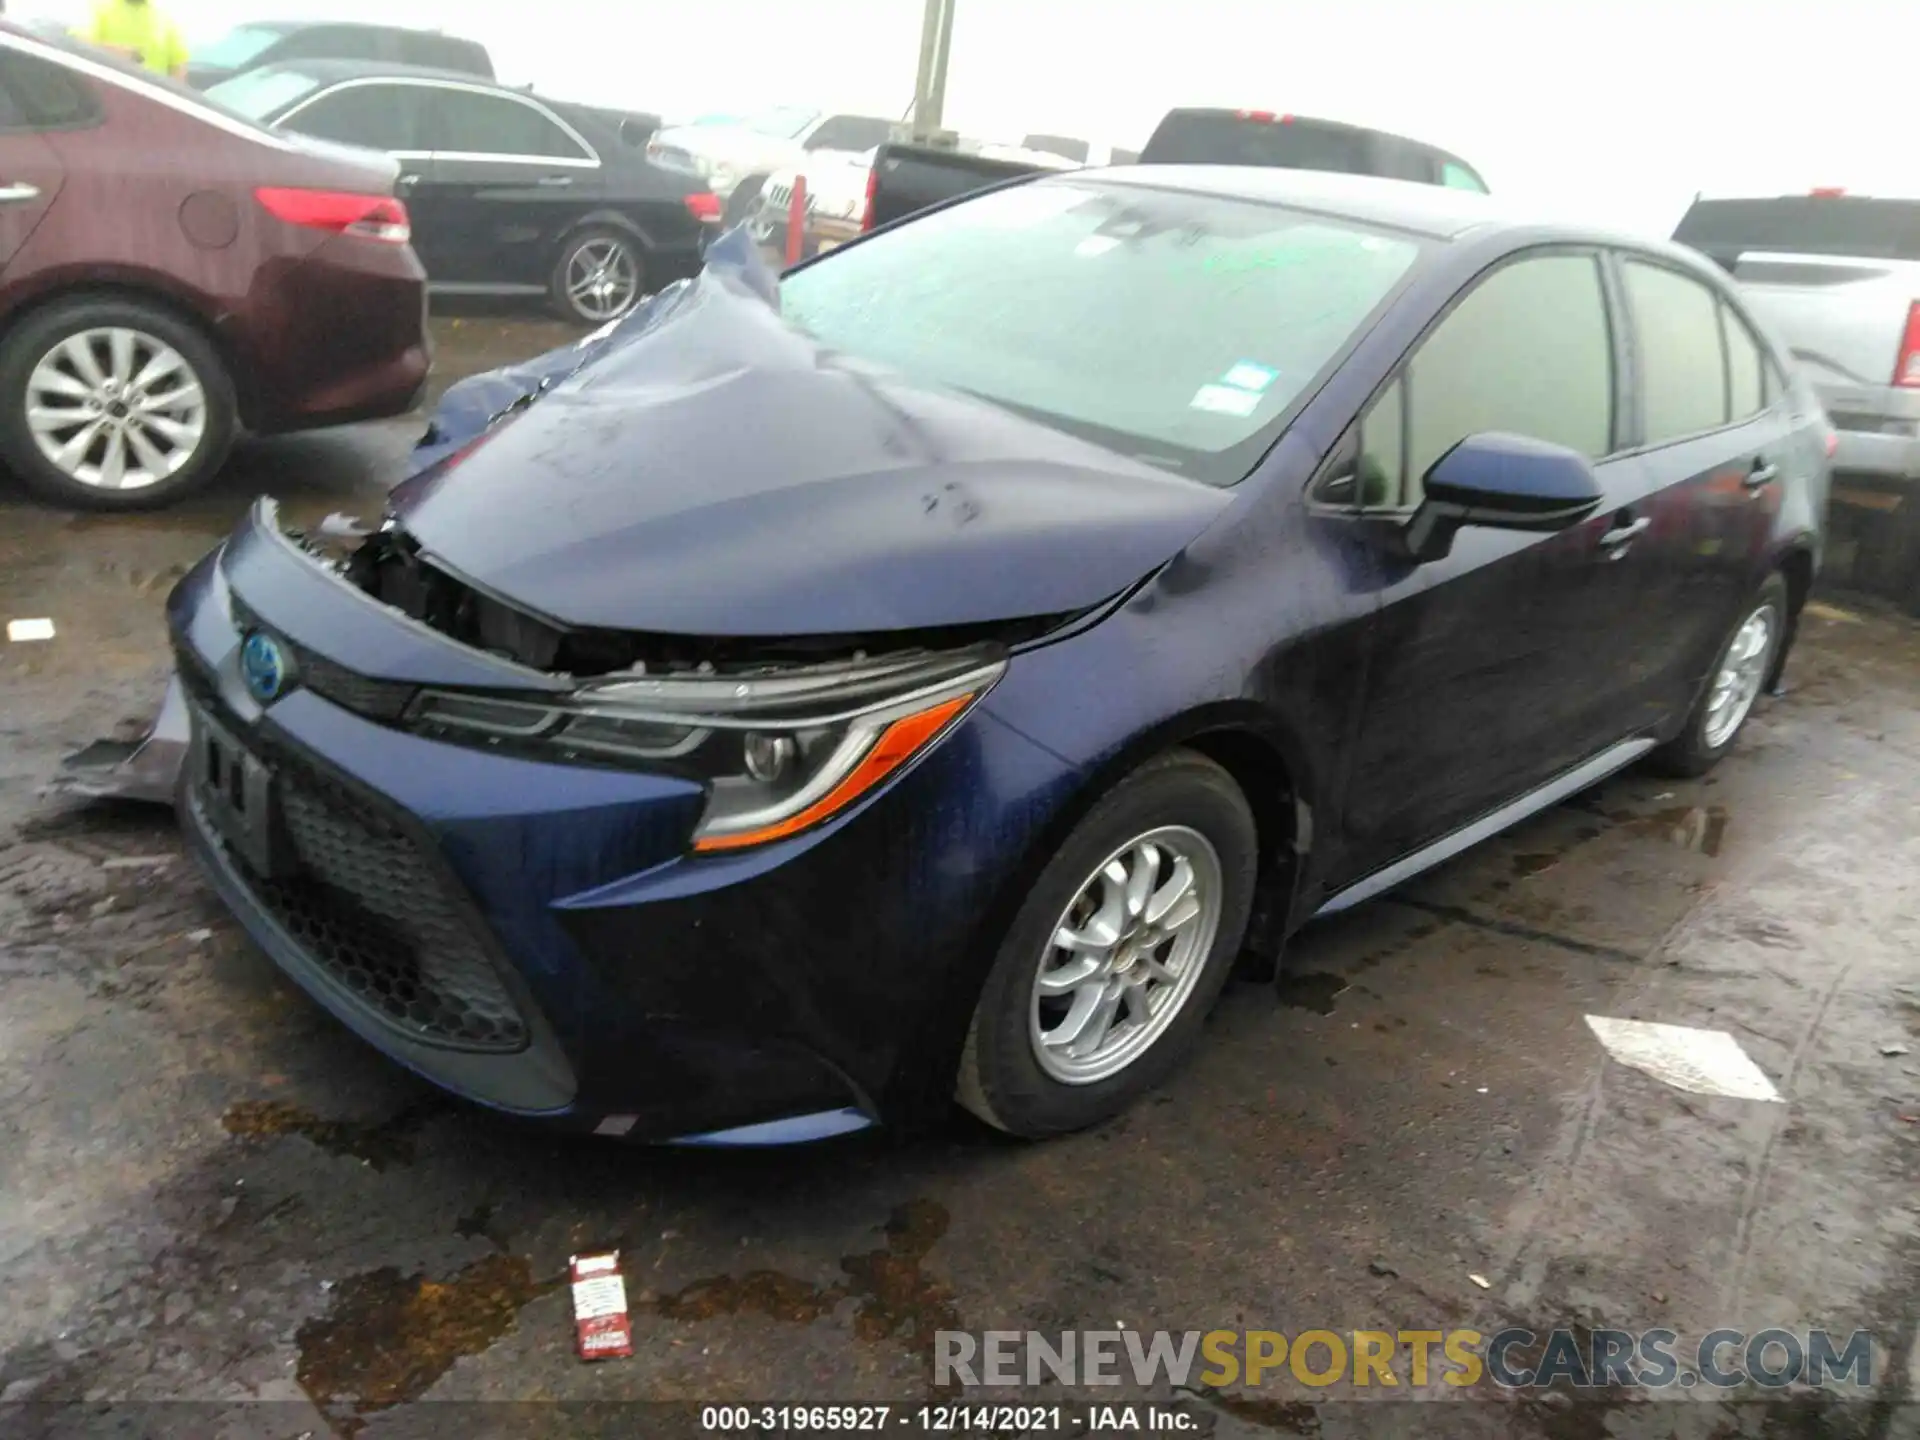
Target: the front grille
(781, 194)
(367, 906)
(384, 700)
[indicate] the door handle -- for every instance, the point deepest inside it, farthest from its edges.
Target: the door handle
(554, 182)
(1761, 474)
(18, 191)
(1616, 540)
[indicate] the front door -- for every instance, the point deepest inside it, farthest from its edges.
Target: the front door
(1484, 665)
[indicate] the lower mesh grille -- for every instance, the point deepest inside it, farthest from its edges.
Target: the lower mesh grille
(370, 909)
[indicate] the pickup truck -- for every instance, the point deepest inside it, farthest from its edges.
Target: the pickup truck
(910, 178)
(1837, 276)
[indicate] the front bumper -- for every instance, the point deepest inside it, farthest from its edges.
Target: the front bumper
(622, 986)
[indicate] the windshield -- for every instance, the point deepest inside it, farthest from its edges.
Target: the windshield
(257, 94)
(784, 122)
(239, 46)
(1173, 327)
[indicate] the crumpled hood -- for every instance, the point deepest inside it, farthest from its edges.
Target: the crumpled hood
(713, 472)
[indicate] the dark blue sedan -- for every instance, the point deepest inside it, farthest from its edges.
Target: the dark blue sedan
(790, 716)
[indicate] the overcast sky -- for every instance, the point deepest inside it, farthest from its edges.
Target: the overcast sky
(1616, 111)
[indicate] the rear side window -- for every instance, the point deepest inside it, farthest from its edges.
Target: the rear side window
(1456, 176)
(380, 117)
(1850, 225)
(1209, 138)
(1683, 378)
(466, 122)
(1748, 390)
(1527, 352)
(36, 94)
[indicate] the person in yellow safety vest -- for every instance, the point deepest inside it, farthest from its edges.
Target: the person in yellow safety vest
(142, 32)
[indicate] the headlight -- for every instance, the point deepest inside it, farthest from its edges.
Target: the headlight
(780, 752)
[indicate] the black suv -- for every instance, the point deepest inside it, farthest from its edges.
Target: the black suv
(247, 47)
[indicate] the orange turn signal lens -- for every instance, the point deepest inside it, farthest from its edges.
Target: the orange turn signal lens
(898, 743)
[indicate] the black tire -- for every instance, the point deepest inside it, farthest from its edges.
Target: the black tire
(744, 200)
(38, 335)
(557, 285)
(1689, 753)
(1000, 1080)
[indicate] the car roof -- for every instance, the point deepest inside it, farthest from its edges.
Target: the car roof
(1437, 211)
(329, 72)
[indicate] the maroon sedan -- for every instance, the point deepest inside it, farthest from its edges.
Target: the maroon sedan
(170, 272)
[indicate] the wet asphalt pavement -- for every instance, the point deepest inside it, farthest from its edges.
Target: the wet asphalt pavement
(209, 1191)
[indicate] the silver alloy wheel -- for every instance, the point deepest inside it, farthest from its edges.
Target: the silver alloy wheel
(116, 408)
(1743, 670)
(603, 279)
(1125, 955)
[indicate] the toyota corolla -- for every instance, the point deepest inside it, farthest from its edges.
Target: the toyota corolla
(931, 678)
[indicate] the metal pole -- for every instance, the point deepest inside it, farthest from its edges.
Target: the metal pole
(937, 92)
(923, 80)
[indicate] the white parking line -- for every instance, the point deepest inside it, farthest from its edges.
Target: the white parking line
(1701, 1062)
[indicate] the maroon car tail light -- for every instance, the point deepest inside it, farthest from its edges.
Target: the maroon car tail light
(704, 206)
(372, 217)
(1906, 369)
(873, 184)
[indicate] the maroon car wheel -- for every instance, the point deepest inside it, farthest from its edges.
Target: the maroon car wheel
(109, 403)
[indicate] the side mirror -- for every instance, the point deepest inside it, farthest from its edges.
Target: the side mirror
(1506, 482)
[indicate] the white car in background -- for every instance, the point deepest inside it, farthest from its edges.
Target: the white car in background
(735, 154)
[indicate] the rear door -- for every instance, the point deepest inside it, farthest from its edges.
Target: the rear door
(506, 178)
(37, 98)
(1715, 433)
(1489, 669)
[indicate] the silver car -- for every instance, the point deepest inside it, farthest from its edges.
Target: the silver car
(1838, 277)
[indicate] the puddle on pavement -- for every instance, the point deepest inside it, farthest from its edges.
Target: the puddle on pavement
(1700, 828)
(897, 1298)
(1313, 990)
(388, 1337)
(388, 1143)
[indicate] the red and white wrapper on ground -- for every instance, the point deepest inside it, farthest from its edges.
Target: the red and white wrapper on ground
(602, 1328)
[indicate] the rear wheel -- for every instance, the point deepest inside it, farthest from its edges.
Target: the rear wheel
(1120, 950)
(1742, 669)
(600, 275)
(112, 404)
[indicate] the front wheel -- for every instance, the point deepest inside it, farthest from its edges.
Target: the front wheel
(1739, 673)
(600, 276)
(113, 404)
(1119, 951)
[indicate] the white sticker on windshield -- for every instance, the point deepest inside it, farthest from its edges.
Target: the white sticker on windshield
(1248, 376)
(1096, 245)
(1225, 400)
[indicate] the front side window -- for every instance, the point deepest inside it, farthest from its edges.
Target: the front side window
(1527, 352)
(380, 117)
(1229, 311)
(470, 123)
(1683, 377)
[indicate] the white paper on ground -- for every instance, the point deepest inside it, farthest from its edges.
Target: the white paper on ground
(1701, 1062)
(18, 630)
